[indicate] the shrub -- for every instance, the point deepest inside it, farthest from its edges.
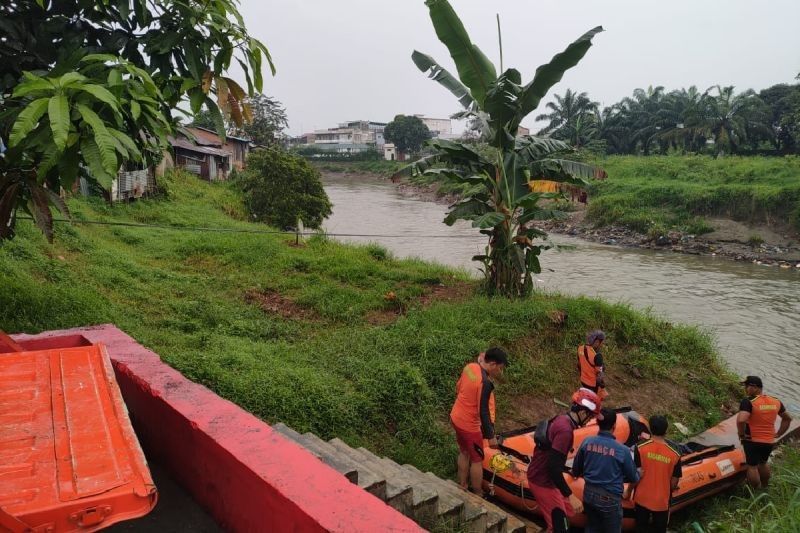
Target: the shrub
(280, 187)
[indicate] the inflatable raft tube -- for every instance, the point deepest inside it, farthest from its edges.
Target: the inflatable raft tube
(707, 470)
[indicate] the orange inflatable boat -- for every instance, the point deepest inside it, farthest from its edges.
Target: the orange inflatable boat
(706, 469)
(69, 459)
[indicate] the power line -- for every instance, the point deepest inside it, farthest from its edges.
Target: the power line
(252, 231)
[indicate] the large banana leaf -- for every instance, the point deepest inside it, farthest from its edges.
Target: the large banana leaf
(550, 73)
(474, 68)
(438, 73)
(562, 170)
(532, 148)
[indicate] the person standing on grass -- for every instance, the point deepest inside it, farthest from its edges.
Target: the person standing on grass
(605, 465)
(756, 426)
(659, 466)
(473, 415)
(590, 363)
(546, 470)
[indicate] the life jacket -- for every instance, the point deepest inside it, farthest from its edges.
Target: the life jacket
(540, 434)
(466, 411)
(586, 358)
(658, 460)
(761, 425)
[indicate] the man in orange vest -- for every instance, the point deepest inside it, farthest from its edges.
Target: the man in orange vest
(590, 363)
(659, 466)
(756, 425)
(473, 415)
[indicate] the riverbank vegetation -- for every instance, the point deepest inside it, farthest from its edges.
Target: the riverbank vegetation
(342, 340)
(659, 193)
(715, 121)
(742, 510)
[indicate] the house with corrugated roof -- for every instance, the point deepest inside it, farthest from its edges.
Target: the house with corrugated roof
(202, 152)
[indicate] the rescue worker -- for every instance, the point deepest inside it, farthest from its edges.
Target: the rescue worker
(590, 363)
(756, 426)
(659, 464)
(605, 465)
(546, 470)
(473, 415)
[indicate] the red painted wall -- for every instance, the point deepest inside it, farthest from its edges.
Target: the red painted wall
(246, 475)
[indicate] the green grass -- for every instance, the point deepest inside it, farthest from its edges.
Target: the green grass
(389, 387)
(776, 509)
(658, 193)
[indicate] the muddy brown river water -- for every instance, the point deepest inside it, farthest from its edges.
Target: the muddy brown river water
(753, 311)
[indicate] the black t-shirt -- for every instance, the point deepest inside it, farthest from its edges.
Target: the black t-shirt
(747, 405)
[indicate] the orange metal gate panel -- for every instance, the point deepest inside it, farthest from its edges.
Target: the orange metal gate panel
(69, 459)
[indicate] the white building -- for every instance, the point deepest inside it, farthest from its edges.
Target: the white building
(348, 137)
(440, 127)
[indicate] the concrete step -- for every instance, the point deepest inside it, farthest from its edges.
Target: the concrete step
(368, 481)
(348, 471)
(494, 514)
(473, 517)
(451, 511)
(424, 501)
(495, 517)
(398, 495)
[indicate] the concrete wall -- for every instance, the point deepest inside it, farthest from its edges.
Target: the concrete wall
(246, 475)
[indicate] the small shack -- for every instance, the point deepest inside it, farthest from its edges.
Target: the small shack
(212, 164)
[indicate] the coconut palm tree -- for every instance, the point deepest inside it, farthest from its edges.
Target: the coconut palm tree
(500, 203)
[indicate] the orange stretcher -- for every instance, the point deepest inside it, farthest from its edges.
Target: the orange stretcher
(69, 459)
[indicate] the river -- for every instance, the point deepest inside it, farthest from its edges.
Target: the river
(753, 310)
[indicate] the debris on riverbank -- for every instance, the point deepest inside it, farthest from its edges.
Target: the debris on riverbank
(731, 239)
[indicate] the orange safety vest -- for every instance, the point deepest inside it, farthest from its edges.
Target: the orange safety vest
(761, 425)
(658, 460)
(466, 412)
(589, 371)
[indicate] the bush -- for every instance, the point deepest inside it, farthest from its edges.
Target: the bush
(280, 187)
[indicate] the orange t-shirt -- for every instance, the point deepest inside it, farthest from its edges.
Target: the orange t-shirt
(474, 408)
(659, 462)
(763, 411)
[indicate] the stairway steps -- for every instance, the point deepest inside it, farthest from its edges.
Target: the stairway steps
(367, 480)
(474, 517)
(432, 502)
(398, 496)
(348, 471)
(425, 502)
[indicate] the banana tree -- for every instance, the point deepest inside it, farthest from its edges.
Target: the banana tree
(499, 202)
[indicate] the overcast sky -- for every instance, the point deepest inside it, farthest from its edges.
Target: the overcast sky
(341, 60)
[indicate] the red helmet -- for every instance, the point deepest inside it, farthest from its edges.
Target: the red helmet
(587, 400)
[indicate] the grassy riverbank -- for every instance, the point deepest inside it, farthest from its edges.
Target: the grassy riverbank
(741, 510)
(380, 168)
(342, 340)
(659, 193)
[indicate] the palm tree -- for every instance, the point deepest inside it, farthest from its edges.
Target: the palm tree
(682, 116)
(643, 112)
(571, 118)
(730, 118)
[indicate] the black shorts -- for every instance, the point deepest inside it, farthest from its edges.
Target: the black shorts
(593, 389)
(757, 453)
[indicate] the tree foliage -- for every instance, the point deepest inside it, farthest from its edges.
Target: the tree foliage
(280, 187)
(718, 120)
(408, 133)
(500, 203)
(87, 86)
(265, 127)
(268, 122)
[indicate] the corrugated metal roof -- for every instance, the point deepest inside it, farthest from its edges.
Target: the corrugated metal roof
(186, 144)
